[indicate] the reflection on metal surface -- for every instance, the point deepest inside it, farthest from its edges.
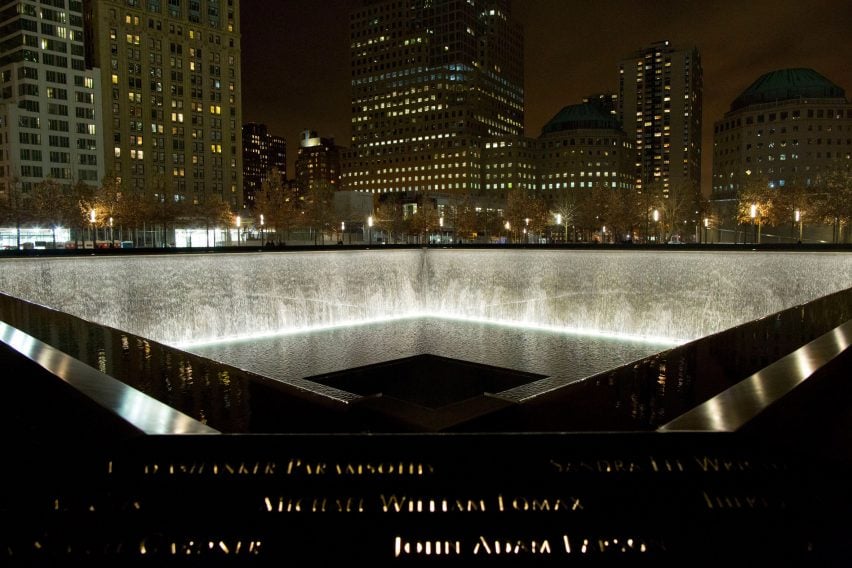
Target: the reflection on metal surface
(731, 409)
(142, 411)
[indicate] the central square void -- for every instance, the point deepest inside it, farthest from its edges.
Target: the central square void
(426, 380)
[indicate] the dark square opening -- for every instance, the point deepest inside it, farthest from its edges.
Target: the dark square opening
(426, 380)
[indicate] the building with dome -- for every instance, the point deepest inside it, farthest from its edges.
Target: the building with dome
(582, 147)
(789, 127)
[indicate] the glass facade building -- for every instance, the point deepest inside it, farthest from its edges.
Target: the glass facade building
(431, 80)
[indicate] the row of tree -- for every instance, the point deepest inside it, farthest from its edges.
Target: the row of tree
(828, 202)
(567, 215)
(83, 208)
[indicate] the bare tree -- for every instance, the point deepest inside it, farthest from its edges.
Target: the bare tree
(14, 207)
(56, 205)
(389, 216)
(425, 220)
(278, 204)
(755, 203)
(834, 201)
(566, 204)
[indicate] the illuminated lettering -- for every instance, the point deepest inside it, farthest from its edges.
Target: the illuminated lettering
(389, 468)
(212, 469)
(735, 501)
(404, 504)
(666, 465)
(510, 546)
(707, 463)
(597, 466)
(156, 546)
(539, 503)
(403, 547)
(296, 466)
(319, 504)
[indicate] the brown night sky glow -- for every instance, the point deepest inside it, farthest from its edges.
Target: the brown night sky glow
(295, 54)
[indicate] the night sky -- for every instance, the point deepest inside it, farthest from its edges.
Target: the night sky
(295, 54)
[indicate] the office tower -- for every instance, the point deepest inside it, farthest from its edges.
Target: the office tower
(583, 147)
(262, 152)
(660, 100)
(781, 157)
(317, 164)
(171, 96)
(50, 127)
(509, 163)
(431, 80)
(788, 127)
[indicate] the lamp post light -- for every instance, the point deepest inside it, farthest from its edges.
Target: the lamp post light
(656, 216)
(441, 232)
(706, 226)
(238, 222)
(262, 233)
(753, 212)
(92, 234)
(508, 228)
(559, 222)
(369, 229)
(797, 216)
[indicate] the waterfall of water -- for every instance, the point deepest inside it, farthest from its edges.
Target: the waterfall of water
(197, 298)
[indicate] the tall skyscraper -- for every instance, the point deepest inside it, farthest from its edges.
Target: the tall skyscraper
(431, 80)
(49, 124)
(262, 152)
(660, 101)
(317, 165)
(171, 96)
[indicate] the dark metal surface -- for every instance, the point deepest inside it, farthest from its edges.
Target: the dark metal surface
(731, 409)
(144, 412)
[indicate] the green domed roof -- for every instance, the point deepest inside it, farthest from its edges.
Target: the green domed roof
(585, 115)
(786, 84)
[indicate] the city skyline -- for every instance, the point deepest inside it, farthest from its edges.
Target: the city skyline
(296, 59)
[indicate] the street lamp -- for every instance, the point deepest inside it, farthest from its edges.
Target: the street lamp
(656, 216)
(559, 223)
(111, 236)
(92, 228)
(441, 225)
(238, 222)
(508, 228)
(754, 216)
(797, 215)
(262, 237)
(369, 229)
(706, 226)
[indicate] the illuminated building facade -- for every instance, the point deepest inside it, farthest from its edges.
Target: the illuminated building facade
(170, 97)
(431, 81)
(262, 152)
(317, 164)
(788, 127)
(49, 123)
(583, 147)
(660, 105)
(509, 163)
